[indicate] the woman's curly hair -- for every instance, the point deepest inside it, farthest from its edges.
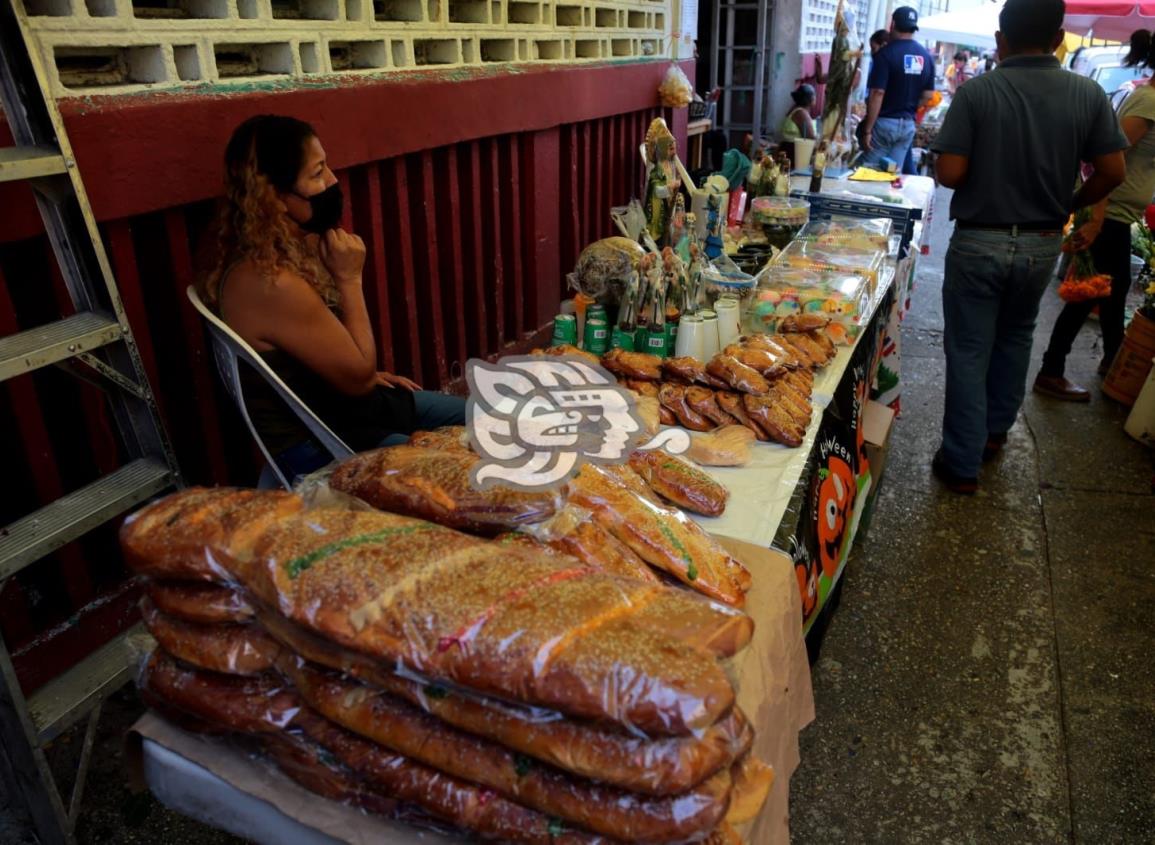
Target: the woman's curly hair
(264, 155)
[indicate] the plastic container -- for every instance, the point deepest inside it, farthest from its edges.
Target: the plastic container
(780, 218)
(785, 291)
(807, 255)
(1141, 421)
(866, 234)
(724, 278)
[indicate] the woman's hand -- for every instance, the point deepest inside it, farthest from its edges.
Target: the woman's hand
(1084, 236)
(343, 254)
(390, 380)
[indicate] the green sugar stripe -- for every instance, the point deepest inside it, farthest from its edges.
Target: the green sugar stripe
(299, 564)
(691, 570)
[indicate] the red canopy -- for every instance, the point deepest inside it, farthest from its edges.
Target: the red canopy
(1111, 19)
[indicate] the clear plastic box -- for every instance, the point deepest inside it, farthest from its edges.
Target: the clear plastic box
(855, 232)
(785, 291)
(807, 255)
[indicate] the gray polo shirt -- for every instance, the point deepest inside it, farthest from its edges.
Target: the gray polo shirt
(1025, 127)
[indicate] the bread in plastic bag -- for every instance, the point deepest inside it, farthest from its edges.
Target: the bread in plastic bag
(675, 92)
(663, 537)
(231, 649)
(194, 601)
(679, 482)
(504, 622)
(262, 704)
(434, 484)
(661, 766)
(404, 729)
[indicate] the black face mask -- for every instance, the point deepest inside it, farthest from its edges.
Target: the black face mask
(327, 208)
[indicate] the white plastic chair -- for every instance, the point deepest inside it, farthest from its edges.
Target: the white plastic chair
(228, 347)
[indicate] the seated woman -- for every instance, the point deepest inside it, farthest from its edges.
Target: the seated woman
(287, 279)
(798, 123)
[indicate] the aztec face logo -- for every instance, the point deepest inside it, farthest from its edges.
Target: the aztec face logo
(535, 420)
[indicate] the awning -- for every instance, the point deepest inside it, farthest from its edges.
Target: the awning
(1113, 19)
(973, 27)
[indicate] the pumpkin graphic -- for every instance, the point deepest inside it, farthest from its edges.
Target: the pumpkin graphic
(835, 500)
(807, 575)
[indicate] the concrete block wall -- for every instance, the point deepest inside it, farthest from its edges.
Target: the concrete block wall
(127, 46)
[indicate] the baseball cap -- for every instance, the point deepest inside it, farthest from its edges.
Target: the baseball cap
(905, 19)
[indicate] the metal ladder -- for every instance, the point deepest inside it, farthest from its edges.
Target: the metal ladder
(95, 342)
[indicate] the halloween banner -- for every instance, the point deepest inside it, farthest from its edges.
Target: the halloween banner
(818, 528)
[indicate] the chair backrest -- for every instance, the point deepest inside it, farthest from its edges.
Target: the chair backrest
(228, 347)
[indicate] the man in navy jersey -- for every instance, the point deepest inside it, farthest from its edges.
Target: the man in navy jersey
(901, 79)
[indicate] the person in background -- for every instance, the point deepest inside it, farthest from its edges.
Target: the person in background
(798, 123)
(877, 41)
(1108, 234)
(901, 79)
(287, 279)
(958, 72)
(1011, 147)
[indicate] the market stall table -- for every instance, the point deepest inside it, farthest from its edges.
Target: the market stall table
(225, 787)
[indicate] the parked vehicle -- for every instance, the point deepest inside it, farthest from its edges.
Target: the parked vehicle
(1105, 66)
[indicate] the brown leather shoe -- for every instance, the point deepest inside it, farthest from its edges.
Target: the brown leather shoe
(1058, 387)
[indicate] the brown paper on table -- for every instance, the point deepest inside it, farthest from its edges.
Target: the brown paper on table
(774, 691)
(773, 680)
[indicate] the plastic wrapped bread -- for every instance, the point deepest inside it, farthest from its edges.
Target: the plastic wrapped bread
(679, 482)
(663, 537)
(263, 704)
(192, 601)
(660, 767)
(434, 484)
(572, 532)
(404, 729)
(320, 743)
(230, 649)
(504, 622)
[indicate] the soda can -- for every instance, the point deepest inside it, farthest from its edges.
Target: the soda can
(564, 330)
(656, 341)
(671, 336)
(622, 339)
(596, 312)
(597, 338)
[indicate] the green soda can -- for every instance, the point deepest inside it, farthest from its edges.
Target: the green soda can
(622, 339)
(564, 330)
(596, 312)
(656, 341)
(597, 337)
(671, 336)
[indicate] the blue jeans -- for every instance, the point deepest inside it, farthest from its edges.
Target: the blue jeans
(990, 298)
(890, 138)
(433, 410)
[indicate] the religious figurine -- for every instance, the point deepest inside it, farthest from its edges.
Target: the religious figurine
(677, 221)
(662, 181)
(844, 64)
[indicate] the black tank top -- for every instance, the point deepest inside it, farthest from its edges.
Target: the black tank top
(361, 421)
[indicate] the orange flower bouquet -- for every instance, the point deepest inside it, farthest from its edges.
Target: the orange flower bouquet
(1082, 282)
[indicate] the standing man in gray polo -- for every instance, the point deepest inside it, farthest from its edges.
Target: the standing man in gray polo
(1011, 146)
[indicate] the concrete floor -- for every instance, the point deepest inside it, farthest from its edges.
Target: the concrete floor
(988, 676)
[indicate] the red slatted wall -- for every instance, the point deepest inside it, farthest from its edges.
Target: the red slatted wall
(468, 245)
